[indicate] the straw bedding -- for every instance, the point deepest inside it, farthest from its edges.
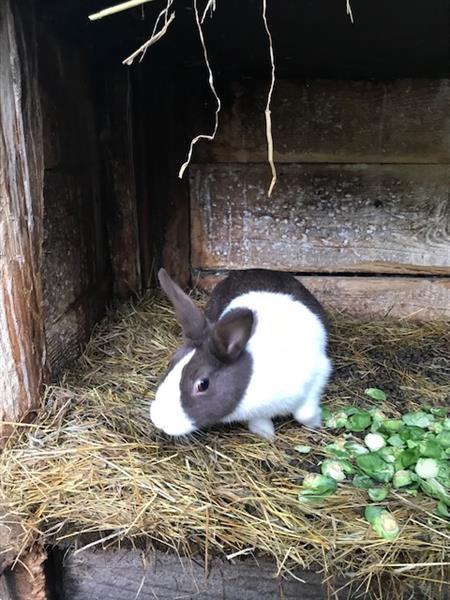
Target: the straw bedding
(91, 463)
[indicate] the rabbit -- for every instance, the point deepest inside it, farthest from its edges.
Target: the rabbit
(257, 352)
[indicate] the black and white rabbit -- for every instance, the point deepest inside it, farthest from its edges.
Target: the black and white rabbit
(258, 352)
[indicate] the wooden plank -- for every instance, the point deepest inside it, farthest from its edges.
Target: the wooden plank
(402, 121)
(75, 263)
(415, 298)
(322, 218)
(118, 156)
(126, 575)
(22, 345)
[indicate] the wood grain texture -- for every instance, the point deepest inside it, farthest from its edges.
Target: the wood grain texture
(364, 297)
(75, 262)
(118, 159)
(403, 121)
(322, 218)
(119, 575)
(22, 345)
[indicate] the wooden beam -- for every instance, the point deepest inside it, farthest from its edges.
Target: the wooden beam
(127, 575)
(322, 218)
(401, 121)
(22, 348)
(414, 298)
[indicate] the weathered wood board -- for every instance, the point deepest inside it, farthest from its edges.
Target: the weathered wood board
(402, 121)
(21, 171)
(127, 575)
(416, 298)
(75, 266)
(322, 218)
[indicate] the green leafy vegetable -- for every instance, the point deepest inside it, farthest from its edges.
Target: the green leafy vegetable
(411, 433)
(442, 510)
(402, 478)
(382, 521)
(376, 394)
(396, 441)
(430, 449)
(316, 488)
(378, 494)
(427, 468)
(418, 419)
(374, 466)
(303, 449)
(354, 448)
(435, 489)
(359, 421)
(443, 439)
(392, 425)
(333, 469)
(336, 420)
(374, 441)
(406, 458)
(362, 481)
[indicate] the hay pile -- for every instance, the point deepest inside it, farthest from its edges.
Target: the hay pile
(92, 464)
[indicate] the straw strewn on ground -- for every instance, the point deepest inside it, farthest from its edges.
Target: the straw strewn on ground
(92, 463)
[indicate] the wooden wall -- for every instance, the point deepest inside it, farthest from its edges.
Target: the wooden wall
(361, 207)
(22, 348)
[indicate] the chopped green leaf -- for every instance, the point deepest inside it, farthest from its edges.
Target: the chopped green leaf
(354, 448)
(411, 433)
(333, 469)
(337, 449)
(392, 425)
(439, 412)
(418, 419)
(376, 394)
(378, 494)
(430, 449)
(406, 458)
(362, 481)
(359, 421)
(443, 439)
(396, 441)
(442, 510)
(374, 466)
(402, 478)
(303, 449)
(435, 489)
(336, 420)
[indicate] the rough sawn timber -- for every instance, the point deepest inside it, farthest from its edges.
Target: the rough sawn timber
(21, 205)
(415, 298)
(322, 218)
(127, 575)
(401, 121)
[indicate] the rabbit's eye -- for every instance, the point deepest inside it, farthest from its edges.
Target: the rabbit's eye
(202, 385)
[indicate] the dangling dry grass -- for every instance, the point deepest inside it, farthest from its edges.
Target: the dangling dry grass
(91, 463)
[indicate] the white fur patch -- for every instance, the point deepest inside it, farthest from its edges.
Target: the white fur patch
(288, 349)
(166, 411)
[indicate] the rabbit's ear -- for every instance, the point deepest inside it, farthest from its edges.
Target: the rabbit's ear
(231, 334)
(188, 314)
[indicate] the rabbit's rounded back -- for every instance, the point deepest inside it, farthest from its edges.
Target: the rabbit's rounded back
(254, 354)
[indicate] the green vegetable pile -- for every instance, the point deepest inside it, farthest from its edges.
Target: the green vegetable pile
(410, 455)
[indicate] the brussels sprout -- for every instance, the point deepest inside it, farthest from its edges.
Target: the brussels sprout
(316, 487)
(374, 466)
(446, 424)
(435, 489)
(444, 473)
(338, 449)
(406, 458)
(336, 420)
(396, 441)
(374, 441)
(382, 521)
(430, 449)
(392, 425)
(303, 449)
(378, 494)
(418, 419)
(362, 482)
(402, 478)
(389, 454)
(378, 418)
(337, 469)
(325, 412)
(333, 469)
(439, 412)
(442, 510)
(354, 448)
(411, 433)
(443, 439)
(376, 394)
(427, 468)
(359, 421)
